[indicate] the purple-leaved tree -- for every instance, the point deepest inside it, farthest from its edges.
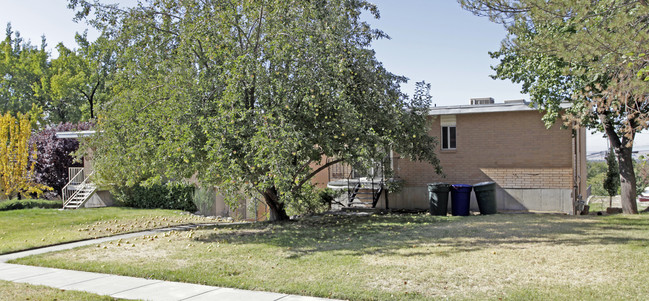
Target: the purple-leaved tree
(55, 155)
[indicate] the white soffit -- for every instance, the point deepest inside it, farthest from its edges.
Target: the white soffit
(74, 135)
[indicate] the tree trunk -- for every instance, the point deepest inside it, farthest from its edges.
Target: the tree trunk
(92, 113)
(627, 180)
(277, 211)
(623, 146)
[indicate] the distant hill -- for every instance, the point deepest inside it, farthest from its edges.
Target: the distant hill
(601, 156)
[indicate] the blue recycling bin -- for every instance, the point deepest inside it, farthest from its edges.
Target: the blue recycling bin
(460, 199)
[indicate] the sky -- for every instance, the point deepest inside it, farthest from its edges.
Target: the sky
(431, 40)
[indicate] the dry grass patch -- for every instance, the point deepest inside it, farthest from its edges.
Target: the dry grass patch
(396, 257)
(30, 228)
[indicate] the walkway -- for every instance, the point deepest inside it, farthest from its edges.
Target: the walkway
(122, 286)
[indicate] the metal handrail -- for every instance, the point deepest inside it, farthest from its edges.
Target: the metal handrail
(64, 191)
(75, 176)
(67, 201)
(350, 194)
(337, 171)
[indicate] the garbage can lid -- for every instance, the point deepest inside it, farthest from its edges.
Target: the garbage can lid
(464, 188)
(461, 186)
(439, 187)
(484, 184)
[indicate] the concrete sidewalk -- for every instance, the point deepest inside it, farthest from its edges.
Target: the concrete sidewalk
(122, 286)
(130, 287)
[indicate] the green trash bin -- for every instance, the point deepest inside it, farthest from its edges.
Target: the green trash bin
(438, 198)
(485, 194)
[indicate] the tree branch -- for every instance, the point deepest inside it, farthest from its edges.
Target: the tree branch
(609, 129)
(312, 174)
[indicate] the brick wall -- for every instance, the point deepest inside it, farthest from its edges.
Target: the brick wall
(500, 147)
(321, 179)
(530, 177)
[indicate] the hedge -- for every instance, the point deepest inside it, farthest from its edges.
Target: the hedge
(29, 203)
(173, 195)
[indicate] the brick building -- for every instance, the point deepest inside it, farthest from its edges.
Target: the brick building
(535, 168)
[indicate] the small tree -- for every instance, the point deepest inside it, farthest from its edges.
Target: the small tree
(642, 174)
(55, 155)
(17, 160)
(612, 181)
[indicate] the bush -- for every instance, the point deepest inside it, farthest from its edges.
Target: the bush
(29, 203)
(204, 198)
(173, 195)
(641, 167)
(311, 201)
(596, 176)
(328, 196)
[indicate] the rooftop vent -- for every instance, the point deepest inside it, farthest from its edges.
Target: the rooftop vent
(515, 101)
(482, 101)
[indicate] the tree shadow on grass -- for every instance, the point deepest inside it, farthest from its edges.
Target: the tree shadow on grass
(391, 234)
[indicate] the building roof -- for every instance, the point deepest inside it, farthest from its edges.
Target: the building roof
(507, 106)
(74, 135)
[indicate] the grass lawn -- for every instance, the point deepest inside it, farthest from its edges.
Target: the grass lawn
(29, 228)
(600, 203)
(391, 257)
(10, 291)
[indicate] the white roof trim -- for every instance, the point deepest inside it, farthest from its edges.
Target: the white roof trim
(488, 108)
(74, 135)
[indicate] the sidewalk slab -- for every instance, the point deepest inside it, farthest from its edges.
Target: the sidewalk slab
(231, 294)
(302, 298)
(166, 291)
(23, 271)
(61, 278)
(110, 285)
(6, 266)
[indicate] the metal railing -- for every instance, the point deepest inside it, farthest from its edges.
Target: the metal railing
(339, 171)
(75, 175)
(69, 189)
(71, 195)
(368, 181)
(342, 171)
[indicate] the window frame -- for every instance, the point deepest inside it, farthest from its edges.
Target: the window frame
(449, 137)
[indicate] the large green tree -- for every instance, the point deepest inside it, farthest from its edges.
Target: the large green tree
(590, 53)
(249, 95)
(79, 77)
(68, 87)
(23, 73)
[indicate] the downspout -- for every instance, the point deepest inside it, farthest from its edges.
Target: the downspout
(575, 178)
(387, 203)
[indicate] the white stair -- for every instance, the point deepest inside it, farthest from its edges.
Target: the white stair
(81, 196)
(83, 192)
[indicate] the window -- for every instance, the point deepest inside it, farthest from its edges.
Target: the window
(448, 131)
(448, 137)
